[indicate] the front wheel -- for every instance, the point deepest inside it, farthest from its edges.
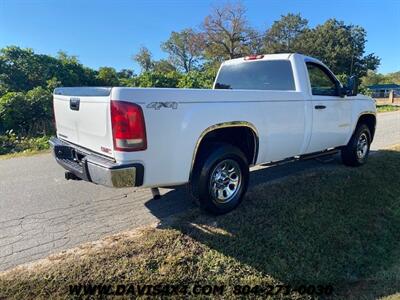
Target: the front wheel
(357, 150)
(220, 178)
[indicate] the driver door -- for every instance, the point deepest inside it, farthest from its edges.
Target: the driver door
(331, 114)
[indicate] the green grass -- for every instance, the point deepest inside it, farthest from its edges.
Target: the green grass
(336, 226)
(24, 153)
(387, 108)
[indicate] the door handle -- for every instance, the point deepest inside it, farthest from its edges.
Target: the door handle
(319, 106)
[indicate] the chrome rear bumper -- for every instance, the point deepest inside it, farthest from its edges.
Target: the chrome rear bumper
(95, 168)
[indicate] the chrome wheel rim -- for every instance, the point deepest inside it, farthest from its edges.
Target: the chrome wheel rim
(225, 180)
(362, 146)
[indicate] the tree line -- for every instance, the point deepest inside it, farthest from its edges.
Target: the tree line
(373, 78)
(226, 33)
(193, 56)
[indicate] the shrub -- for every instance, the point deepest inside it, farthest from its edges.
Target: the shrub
(41, 106)
(157, 79)
(197, 80)
(12, 143)
(27, 113)
(15, 112)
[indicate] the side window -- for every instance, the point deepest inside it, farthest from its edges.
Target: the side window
(321, 81)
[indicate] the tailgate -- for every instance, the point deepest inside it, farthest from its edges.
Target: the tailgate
(83, 117)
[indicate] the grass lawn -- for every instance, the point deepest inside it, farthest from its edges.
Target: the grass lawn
(338, 227)
(24, 153)
(387, 108)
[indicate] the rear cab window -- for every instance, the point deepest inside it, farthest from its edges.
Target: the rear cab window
(276, 75)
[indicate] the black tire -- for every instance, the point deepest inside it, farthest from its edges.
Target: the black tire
(209, 166)
(350, 154)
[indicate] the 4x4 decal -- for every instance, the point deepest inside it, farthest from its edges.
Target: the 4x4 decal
(158, 105)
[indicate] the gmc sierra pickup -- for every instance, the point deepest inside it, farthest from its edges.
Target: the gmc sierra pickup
(263, 109)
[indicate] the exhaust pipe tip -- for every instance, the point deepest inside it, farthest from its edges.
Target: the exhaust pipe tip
(71, 176)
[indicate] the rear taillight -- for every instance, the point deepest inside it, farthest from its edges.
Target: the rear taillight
(129, 131)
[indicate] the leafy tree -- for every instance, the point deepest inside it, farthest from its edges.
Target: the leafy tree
(372, 78)
(196, 80)
(163, 66)
(22, 70)
(144, 59)
(70, 72)
(227, 32)
(19, 69)
(339, 46)
(67, 59)
(393, 77)
(254, 43)
(27, 113)
(3, 76)
(343, 78)
(15, 112)
(52, 83)
(156, 79)
(125, 74)
(284, 34)
(184, 49)
(107, 76)
(126, 77)
(40, 101)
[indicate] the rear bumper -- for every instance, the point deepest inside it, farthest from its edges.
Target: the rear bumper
(95, 168)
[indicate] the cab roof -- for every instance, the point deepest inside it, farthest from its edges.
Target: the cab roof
(280, 56)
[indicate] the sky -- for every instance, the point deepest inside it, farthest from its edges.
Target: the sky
(108, 33)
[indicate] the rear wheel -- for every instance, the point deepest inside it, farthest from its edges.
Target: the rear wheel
(220, 178)
(357, 150)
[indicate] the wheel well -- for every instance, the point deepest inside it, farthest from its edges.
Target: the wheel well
(240, 136)
(370, 121)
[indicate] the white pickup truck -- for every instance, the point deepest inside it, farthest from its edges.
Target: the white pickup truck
(263, 109)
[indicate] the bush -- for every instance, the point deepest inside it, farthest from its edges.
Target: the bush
(40, 102)
(196, 80)
(12, 143)
(15, 112)
(27, 113)
(157, 79)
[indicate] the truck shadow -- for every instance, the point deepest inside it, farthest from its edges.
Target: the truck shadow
(178, 201)
(327, 224)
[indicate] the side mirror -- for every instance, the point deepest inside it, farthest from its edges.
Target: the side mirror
(352, 86)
